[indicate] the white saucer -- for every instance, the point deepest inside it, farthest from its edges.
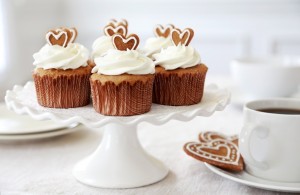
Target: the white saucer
(41, 135)
(250, 180)
(15, 124)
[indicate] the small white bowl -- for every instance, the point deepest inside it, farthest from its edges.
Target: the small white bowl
(266, 77)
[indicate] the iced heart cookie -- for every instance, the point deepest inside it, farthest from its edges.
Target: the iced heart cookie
(72, 34)
(61, 36)
(160, 31)
(111, 29)
(123, 43)
(182, 37)
(115, 22)
(209, 136)
(219, 152)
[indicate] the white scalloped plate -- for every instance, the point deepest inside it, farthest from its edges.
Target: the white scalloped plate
(23, 101)
(40, 135)
(15, 124)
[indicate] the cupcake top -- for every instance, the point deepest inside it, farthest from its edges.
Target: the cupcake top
(104, 43)
(101, 46)
(180, 55)
(61, 52)
(124, 59)
(161, 40)
(177, 57)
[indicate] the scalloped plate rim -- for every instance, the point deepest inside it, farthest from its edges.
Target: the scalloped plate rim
(181, 115)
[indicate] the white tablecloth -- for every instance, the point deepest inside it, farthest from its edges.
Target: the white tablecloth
(45, 166)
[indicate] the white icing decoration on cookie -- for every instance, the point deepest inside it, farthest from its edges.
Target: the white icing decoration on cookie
(115, 30)
(232, 156)
(162, 29)
(208, 136)
(126, 40)
(57, 37)
(73, 35)
(116, 23)
(181, 35)
(73, 32)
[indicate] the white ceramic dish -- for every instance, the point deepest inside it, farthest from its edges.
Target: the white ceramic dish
(41, 135)
(120, 161)
(266, 77)
(250, 180)
(15, 124)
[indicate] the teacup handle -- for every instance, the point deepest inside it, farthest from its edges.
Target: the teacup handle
(245, 138)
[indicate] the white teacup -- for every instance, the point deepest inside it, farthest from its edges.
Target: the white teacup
(270, 77)
(270, 142)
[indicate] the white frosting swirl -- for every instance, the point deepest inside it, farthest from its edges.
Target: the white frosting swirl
(177, 57)
(117, 62)
(54, 56)
(101, 46)
(155, 44)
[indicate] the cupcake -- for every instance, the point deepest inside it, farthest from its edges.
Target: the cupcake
(179, 73)
(62, 71)
(104, 43)
(161, 40)
(122, 80)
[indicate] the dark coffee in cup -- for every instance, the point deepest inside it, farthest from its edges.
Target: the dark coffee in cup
(280, 111)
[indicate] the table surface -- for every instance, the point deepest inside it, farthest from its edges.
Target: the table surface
(45, 166)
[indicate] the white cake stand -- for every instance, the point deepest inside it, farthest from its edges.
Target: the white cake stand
(119, 161)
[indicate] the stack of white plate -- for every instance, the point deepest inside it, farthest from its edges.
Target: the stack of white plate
(23, 127)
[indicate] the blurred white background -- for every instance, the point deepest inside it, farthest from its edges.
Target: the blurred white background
(224, 29)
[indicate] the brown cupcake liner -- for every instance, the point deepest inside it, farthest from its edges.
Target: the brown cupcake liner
(178, 90)
(124, 99)
(62, 91)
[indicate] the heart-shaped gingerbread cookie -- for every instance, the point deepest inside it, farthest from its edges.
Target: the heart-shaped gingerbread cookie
(61, 36)
(123, 43)
(111, 29)
(160, 31)
(219, 152)
(209, 136)
(115, 22)
(182, 37)
(57, 38)
(72, 34)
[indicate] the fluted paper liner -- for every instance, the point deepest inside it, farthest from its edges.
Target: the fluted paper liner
(179, 90)
(123, 99)
(62, 91)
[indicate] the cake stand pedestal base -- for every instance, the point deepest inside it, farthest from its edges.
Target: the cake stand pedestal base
(120, 161)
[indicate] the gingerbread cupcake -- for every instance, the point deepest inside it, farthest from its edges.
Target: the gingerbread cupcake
(122, 80)
(179, 73)
(62, 71)
(161, 40)
(104, 43)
